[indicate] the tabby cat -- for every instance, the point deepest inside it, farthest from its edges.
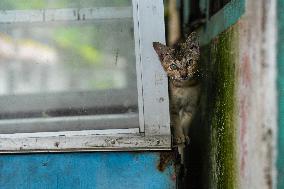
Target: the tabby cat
(182, 67)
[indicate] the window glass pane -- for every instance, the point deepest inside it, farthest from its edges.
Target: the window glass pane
(66, 58)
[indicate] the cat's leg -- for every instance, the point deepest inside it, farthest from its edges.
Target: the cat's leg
(178, 134)
(185, 123)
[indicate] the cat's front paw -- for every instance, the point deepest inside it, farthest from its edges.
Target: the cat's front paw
(179, 140)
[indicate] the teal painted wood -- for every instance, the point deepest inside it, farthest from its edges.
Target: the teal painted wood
(280, 59)
(98, 170)
(222, 20)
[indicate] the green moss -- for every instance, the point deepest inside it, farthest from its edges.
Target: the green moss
(223, 135)
(212, 155)
(218, 107)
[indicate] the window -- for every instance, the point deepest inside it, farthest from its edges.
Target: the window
(82, 75)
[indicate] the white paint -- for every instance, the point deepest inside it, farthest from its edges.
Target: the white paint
(137, 36)
(106, 132)
(28, 16)
(154, 89)
(82, 142)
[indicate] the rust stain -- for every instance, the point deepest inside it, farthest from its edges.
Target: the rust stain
(174, 177)
(246, 71)
(246, 81)
(166, 159)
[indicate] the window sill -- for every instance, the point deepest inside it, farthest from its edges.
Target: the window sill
(77, 141)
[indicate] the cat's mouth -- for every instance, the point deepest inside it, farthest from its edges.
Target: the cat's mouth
(183, 82)
(184, 78)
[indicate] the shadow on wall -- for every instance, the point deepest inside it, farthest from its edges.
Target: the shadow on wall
(210, 157)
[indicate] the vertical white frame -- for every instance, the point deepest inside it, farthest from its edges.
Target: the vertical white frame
(152, 82)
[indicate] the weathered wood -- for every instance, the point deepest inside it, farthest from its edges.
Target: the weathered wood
(152, 87)
(100, 140)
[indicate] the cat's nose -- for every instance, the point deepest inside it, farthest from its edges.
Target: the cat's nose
(184, 77)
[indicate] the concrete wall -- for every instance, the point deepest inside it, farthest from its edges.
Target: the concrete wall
(234, 140)
(257, 95)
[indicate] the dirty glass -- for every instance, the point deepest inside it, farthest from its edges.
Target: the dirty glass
(66, 60)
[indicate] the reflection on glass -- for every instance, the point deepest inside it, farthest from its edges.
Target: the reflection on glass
(66, 67)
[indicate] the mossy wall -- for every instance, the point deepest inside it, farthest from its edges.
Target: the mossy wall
(220, 107)
(233, 139)
(212, 152)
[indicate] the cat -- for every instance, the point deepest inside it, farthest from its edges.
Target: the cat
(182, 67)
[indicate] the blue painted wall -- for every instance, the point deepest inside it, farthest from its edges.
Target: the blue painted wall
(98, 170)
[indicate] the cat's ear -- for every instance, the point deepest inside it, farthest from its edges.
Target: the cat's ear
(192, 41)
(161, 50)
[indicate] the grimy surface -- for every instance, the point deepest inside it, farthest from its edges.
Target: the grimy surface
(233, 141)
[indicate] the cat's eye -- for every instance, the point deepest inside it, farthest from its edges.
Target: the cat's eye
(173, 66)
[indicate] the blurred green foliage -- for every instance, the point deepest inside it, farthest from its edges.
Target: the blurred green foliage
(47, 4)
(80, 45)
(73, 39)
(78, 41)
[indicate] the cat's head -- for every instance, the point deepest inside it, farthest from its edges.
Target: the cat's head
(181, 63)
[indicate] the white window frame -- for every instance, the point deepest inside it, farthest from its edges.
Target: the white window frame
(153, 102)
